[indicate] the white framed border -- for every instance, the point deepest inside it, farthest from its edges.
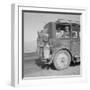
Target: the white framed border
(16, 54)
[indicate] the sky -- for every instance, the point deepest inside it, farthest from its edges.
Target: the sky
(34, 22)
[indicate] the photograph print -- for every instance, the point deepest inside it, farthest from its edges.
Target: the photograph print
(51, 43)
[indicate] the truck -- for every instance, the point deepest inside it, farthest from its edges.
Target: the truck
(59, 43)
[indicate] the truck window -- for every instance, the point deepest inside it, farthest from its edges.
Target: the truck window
(62, 31)
(74, 34)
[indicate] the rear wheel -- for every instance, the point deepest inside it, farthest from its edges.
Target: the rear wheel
(62, 59)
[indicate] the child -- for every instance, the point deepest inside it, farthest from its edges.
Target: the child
(46, 55)
(46, 51)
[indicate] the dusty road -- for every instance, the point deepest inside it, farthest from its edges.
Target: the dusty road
(32, 68)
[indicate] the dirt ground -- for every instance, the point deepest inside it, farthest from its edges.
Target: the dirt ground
(33, 68)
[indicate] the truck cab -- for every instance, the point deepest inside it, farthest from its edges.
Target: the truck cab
(64, 41)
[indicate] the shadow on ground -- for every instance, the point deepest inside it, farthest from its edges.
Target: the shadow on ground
(41, 64)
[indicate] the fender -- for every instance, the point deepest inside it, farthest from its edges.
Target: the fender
(58, 49)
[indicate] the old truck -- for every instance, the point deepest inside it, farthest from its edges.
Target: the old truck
(61, 39)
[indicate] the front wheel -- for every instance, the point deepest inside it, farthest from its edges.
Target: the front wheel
(62, 59)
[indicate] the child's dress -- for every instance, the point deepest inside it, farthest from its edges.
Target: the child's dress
(46, 51)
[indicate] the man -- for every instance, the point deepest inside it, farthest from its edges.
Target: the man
(67, 32)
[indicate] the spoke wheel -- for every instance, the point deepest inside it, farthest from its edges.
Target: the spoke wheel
(62, 59)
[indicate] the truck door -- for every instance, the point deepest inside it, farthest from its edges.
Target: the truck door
(75, 44)
(63, 36)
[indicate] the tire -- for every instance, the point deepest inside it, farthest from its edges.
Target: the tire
(62, 59)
